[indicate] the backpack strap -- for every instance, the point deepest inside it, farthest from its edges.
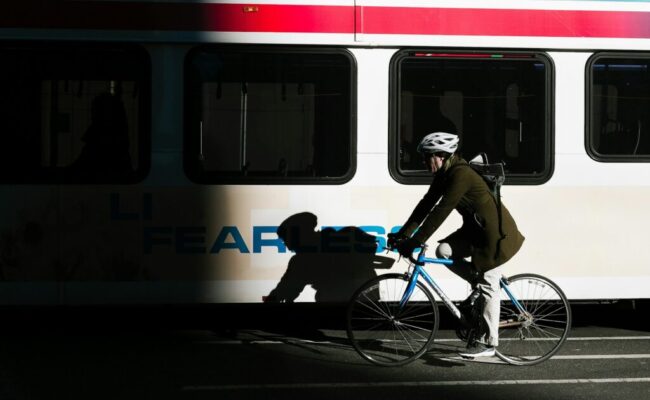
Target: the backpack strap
(503, 236)
(497, 200)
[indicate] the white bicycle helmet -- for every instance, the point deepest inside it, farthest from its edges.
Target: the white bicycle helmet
(439, 142)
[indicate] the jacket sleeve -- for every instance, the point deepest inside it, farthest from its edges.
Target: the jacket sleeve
(292, 282)
(453, 188)
(423, 208)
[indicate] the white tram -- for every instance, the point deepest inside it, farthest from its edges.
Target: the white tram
(151, 148)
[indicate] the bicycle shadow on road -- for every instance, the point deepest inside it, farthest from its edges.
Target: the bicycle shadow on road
(442, 355)
(446, 355)
(334, 262)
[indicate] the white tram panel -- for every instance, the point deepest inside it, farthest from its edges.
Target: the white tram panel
(584, 227)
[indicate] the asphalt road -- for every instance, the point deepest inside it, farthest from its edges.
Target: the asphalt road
(598, 361)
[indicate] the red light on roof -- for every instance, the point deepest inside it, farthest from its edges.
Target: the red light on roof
(472, 55)
(463, 55)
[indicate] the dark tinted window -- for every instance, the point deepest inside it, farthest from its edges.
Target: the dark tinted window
(498, 104)
(269, 115)
(73, 113)
(618, 103)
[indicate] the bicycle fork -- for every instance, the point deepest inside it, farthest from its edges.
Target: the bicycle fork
(409, 289)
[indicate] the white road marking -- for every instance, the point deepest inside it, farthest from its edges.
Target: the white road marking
(327, 342)
(412, 384)
(601, 357)
(610, 338)
(586, 338)
(289, 340)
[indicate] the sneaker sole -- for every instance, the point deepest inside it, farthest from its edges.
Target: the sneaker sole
(473, 356)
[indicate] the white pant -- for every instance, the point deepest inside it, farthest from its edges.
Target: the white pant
(488, 286)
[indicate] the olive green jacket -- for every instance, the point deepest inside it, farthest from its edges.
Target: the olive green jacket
(460, 187)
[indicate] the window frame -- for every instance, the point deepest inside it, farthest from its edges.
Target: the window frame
(470, 54)
(57, 175)
(197, 176)
(589, 142)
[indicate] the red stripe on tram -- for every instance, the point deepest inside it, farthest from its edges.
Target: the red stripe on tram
(134, 15)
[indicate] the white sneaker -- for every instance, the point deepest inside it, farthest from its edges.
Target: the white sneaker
(478, 350)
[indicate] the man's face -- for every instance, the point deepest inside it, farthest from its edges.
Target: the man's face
(434, 162)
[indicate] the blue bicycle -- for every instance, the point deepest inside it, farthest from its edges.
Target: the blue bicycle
(392, 319)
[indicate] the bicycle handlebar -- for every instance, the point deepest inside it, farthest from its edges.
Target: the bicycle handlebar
(410, 257)
(414, 261)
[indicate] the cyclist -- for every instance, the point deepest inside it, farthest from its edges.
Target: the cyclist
(489, 244)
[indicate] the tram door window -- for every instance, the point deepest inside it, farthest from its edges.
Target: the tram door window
(269, 115)
(618, 126)
(499, 104)
(73, 113)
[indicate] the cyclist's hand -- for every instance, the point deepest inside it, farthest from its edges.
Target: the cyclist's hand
(394, 239)
(407, 246)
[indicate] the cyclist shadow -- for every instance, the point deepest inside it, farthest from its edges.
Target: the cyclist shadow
(334, 262)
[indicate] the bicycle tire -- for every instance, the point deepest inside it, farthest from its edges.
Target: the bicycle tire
(529, 339)
(384, 333)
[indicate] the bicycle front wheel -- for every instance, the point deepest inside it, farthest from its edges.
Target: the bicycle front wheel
(534, 334)
(386, 333)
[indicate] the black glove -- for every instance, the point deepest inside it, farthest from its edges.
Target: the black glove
(407, 246)
(394, 239)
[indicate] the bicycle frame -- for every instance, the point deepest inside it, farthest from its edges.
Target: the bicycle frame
(418, 271)
(392, 319)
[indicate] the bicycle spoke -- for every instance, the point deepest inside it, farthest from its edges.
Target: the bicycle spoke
(388, 332)
(414, 329)
(559, 312)
(376, 307)
(406, 340)
(415, 316)
(546, 333)
(550, 321)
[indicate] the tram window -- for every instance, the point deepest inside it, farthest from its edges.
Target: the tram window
(269, 115)
(618, 98)
(73, 113)
(499, 104)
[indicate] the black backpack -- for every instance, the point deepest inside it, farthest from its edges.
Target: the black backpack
(493, 174)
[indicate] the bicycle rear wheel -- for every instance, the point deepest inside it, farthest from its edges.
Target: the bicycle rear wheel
(532, 336)
(382, 331)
